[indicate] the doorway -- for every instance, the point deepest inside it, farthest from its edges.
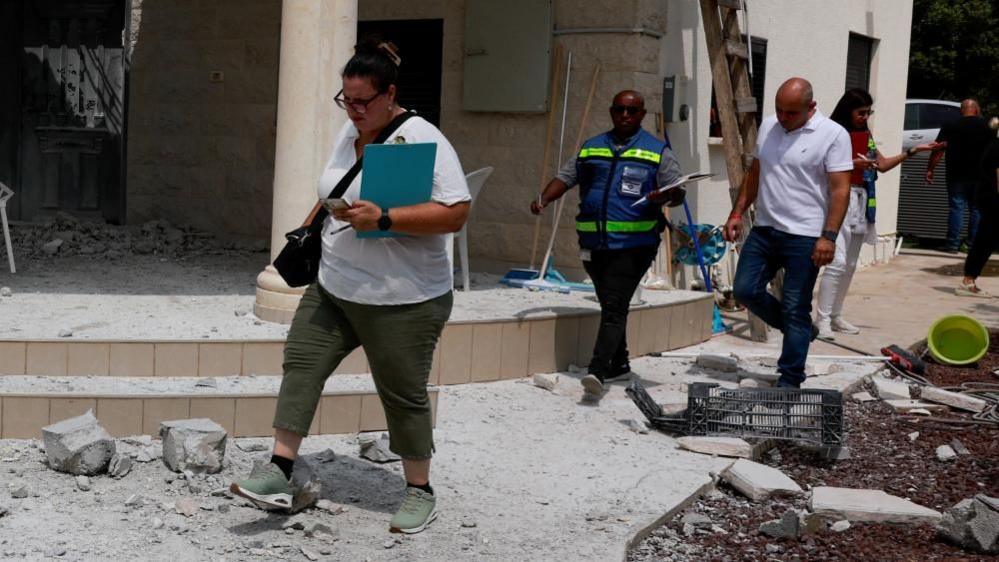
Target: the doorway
(63, 113)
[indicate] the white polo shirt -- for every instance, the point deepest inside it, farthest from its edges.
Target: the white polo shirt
(389, 271)
(794, 168)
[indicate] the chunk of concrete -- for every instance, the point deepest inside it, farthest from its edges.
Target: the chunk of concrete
(959, 447)
(758, 481)
(186, 507)
(376, 449)
(863, 397)
(545, 381)
(787, 527)
(973, 524)
(78, 445)
(945, 453)
(197, 445)
(722, 363)
(868, 505)
(890, 389)
(907, 406)
(840, 526)
(721, 446)
(953, 399)
(119, 466)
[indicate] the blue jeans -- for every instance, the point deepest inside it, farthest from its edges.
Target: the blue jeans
(959, 196)
(765, 252)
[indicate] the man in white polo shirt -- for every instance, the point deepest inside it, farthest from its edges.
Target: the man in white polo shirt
(800, 182)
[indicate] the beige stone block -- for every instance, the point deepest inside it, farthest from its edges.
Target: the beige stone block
(13, 357)
(220, 359)
(176, 359)
(340, 414)
(317, 417)
(662, 328)
(589, 325)
(372, 414)
(632, 329)
(24, 417)
(487, 345)
(64, 408)
(88, 359)
(354, 363)
(433, 406)
(435, 368)
(541, 353)
(158, 410)
(263, 358)
(648, 331)
(132, 359)
(121, 416)
(516, 349)
(703, 310)
(566, 341)
(46, 358)
(220, 410)
(456, 354)
(255, 417)
(678, 336)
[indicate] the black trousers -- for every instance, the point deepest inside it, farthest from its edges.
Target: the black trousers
(986, 239)
(615, 275)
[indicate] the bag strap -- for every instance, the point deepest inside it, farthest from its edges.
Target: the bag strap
(347, 178)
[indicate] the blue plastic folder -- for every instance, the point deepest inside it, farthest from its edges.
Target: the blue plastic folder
(397, 175)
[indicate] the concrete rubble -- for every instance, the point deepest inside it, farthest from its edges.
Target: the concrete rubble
(890, 389)
(78, 445)
(376, 448)
(868, 505)
(945, 453)
(840, 526)
(721, 446)
(119, 465)
(973, 524)
(758, 481)
(959, 447)
(793, 524)
(953, 399)
(197, 445)
(910, 406)
(546, 381)
(722, 363)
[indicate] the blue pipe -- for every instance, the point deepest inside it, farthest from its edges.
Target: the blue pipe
(697, 248)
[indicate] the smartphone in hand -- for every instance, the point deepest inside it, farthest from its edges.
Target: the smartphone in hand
(335, 204)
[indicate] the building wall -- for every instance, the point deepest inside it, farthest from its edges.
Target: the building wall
(807, 39)
(201, 148)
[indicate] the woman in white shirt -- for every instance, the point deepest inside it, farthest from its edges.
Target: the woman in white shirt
(391, 296)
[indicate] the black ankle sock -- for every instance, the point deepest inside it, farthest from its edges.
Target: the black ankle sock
(425, 487)
(286, 465)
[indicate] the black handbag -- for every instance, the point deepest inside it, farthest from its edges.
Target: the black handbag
(298, 262)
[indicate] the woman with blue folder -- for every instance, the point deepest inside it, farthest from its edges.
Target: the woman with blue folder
(390, 295)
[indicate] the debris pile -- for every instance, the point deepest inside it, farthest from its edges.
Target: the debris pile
(65, 235)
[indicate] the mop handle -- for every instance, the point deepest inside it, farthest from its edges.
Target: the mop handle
(697, 247)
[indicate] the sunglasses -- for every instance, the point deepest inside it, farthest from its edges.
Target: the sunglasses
(629, 109)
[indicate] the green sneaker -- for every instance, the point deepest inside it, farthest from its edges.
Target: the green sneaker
(417, 511)
(267, 487)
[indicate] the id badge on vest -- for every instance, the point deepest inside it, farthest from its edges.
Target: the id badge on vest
(632, 180)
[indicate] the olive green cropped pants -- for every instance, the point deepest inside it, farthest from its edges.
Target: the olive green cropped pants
(399, 342)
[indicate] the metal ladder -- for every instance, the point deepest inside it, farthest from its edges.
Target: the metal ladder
(5, 194)
(729, 57)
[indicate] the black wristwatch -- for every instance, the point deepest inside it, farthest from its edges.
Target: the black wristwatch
(830, 235)
(384, 221)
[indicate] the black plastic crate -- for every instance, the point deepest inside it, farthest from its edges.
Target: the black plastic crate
(810, 415)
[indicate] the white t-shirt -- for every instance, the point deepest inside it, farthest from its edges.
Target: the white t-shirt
(794, 168)
(388, 271)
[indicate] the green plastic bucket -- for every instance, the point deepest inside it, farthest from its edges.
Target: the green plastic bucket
(957, 340)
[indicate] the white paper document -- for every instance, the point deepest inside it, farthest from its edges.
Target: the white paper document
(689, 178)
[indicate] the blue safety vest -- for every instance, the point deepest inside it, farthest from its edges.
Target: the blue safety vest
(610, 181)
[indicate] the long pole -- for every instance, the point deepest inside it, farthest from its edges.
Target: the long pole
(561, 202)
(547, 150)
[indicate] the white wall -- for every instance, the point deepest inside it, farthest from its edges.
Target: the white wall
(805, 38)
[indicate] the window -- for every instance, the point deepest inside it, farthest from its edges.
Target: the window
(858, 62)
(757, 80)
(933, 115)
(911, 117)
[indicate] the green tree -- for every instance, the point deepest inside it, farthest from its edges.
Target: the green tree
(954, 53)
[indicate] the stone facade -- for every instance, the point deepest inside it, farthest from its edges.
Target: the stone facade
(202, 113)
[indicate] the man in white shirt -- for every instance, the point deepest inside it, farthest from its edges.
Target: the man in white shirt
(800, 182)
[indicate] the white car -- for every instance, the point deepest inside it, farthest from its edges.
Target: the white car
(923, 119)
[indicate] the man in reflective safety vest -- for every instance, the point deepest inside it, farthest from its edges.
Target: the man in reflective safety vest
(617, 241)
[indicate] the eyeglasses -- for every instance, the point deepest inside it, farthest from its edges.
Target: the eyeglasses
(629, 109)
(357, 105)
(865, 112)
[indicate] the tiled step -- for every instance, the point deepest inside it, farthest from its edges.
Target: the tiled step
(469, 351)
(136, 405)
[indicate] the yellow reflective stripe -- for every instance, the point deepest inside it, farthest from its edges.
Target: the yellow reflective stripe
(641, 154)
(596, 151)
(872, 202)
(616, 226)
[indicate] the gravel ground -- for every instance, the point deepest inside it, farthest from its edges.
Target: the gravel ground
(883, 456)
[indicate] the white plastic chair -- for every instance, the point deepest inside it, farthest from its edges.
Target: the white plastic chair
(5, 194)
(475, 181)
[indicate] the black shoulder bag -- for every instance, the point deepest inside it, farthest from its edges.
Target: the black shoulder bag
(298, 262)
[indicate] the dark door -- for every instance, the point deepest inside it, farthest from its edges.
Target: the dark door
(72, 77)
(859, 51)
(10, 114)
(420, 45)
